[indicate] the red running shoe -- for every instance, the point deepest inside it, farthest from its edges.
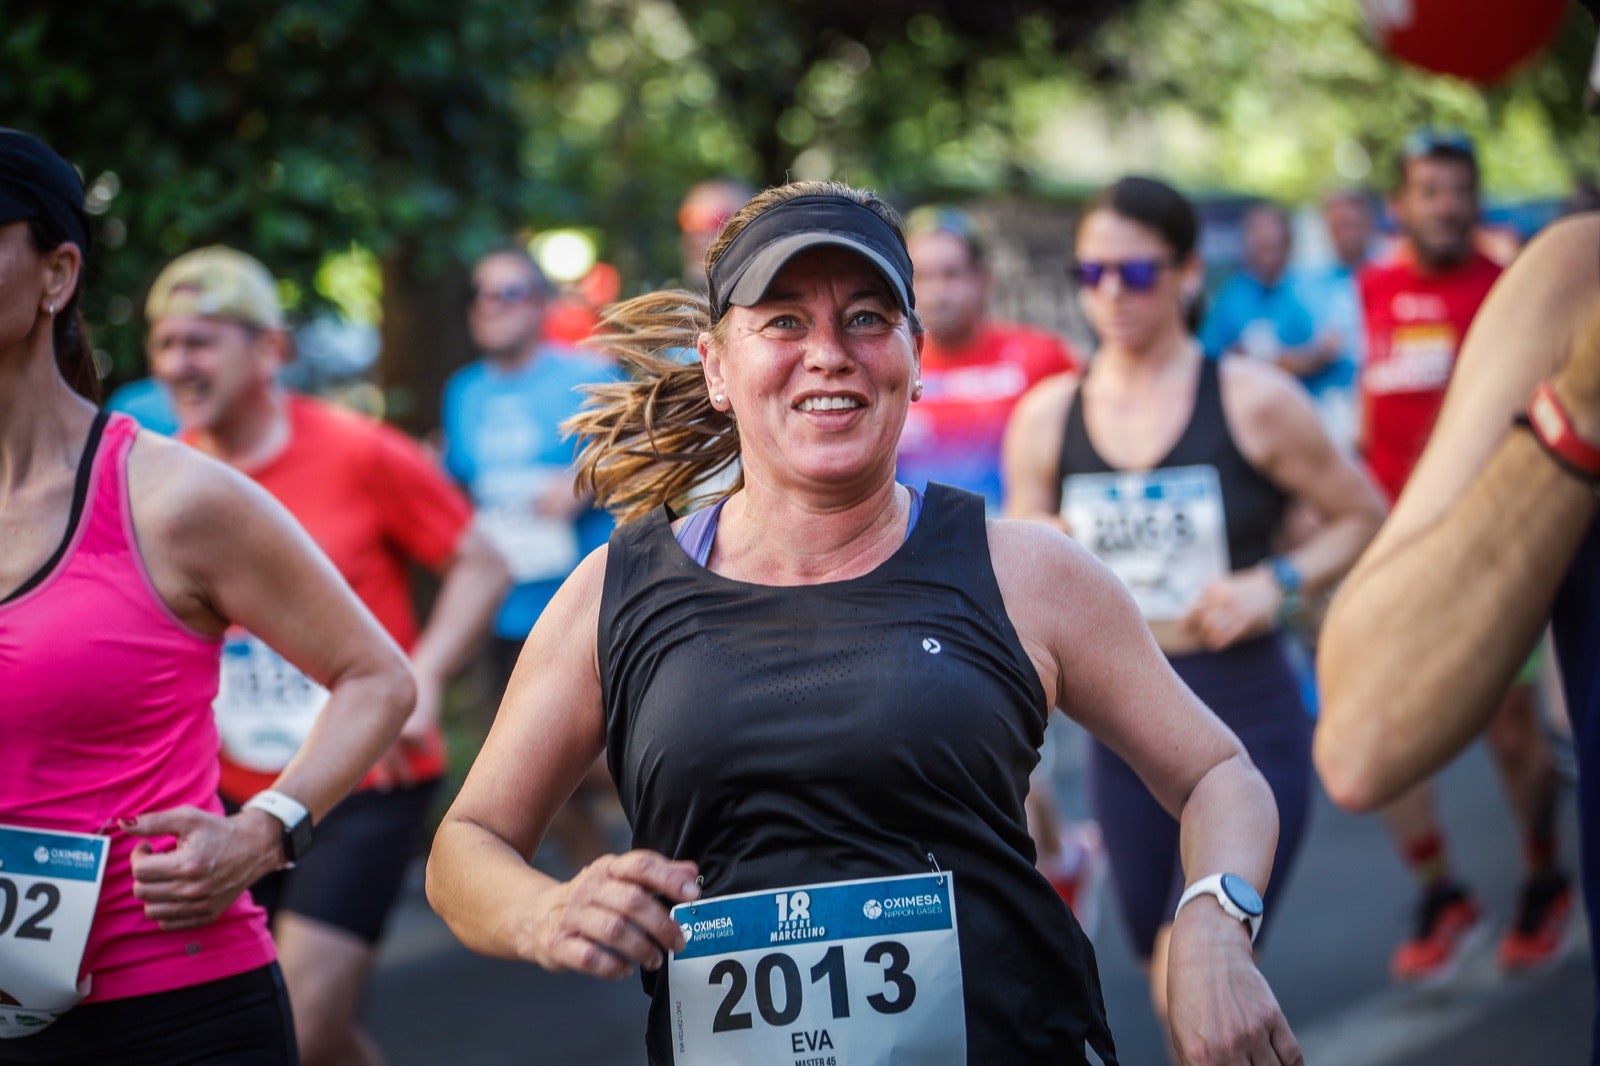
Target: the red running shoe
(1449, 925)
(1535, 939)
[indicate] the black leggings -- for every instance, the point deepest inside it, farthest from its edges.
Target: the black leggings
(242, 1020)
(1252, 689)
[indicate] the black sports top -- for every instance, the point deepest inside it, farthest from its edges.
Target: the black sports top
(794, 735)
(1252, 506)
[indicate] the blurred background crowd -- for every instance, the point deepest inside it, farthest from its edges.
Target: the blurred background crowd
(437, 189)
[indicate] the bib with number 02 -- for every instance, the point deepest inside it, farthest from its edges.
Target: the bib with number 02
(49, 888)
(850, 973)
(265, 707)
(1161, 531)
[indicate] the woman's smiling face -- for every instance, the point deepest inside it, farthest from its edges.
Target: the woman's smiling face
(818, 373)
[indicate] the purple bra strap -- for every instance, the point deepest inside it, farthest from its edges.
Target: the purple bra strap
(700, 529)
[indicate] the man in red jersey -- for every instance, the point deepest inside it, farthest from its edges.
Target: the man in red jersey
(973, 369)
(375, 503)
(1417, 307)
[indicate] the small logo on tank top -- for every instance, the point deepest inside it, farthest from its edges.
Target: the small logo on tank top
(931, 646)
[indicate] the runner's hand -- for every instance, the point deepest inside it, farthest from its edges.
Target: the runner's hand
(211, 860)
(1220, 1010)
(611, 916)
(1242, 604)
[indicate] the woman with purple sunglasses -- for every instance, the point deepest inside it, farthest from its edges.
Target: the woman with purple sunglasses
(1178, 471)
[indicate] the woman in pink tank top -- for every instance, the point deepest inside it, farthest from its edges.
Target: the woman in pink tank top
(124, 933)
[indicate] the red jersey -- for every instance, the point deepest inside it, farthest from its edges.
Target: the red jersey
(1415, 322)
(954, 433)
(374, 502)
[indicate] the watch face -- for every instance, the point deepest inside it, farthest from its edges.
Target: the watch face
(297, 840)
(1243, 894)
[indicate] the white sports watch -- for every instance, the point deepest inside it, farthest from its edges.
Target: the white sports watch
(1238, 897)
(296, 820)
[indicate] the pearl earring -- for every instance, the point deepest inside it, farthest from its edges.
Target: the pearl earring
(718, 400)
(50, 310)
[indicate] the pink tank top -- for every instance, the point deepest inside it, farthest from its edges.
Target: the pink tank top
(105, 713)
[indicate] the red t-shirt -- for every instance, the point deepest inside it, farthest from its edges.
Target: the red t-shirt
(374, 502)
(1415, 322)
(954, 433)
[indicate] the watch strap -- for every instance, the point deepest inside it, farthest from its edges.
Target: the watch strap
(1212, 886)
(1289, 580)
(1548, 419)
(291, 813)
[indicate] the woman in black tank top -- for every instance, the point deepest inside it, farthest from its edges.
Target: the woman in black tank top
(821, 701)
(1177, 472)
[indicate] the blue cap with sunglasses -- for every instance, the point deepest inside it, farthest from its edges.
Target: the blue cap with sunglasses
(1136, 275)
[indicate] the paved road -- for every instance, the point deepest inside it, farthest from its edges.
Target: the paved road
(1348, 902)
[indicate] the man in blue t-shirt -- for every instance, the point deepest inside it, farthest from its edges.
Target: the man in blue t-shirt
(503, 442)
(1258, 312)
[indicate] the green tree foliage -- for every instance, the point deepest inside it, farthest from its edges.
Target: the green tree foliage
(292, 129)
(1282, 97)
(908, 96)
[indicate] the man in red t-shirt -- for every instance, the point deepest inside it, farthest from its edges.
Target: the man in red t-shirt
(1417, 307)
(375, 503)
(973, 369)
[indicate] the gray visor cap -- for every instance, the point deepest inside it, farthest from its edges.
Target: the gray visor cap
(758, 273)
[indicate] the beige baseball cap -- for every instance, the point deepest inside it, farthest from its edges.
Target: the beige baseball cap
(216, 282)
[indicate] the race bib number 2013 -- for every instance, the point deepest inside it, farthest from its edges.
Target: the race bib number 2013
(849, 973)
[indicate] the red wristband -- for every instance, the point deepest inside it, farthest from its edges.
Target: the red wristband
(1552, 427)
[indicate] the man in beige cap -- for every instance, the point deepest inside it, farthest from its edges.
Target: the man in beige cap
(375, 503)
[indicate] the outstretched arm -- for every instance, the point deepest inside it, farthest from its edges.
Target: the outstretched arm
(1430, 627)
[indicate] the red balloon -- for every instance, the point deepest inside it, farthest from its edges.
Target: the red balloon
(1480, 40)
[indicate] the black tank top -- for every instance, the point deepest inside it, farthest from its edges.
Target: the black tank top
(794, 735)
(1252, 506)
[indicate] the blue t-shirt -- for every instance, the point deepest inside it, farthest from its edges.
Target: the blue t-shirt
(148, 403)
(1246, 312)
(502, 431)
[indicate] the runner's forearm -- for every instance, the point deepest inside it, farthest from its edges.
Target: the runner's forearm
(1229, 824)
(360, 720)
(1459, 605)
(485, 892)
